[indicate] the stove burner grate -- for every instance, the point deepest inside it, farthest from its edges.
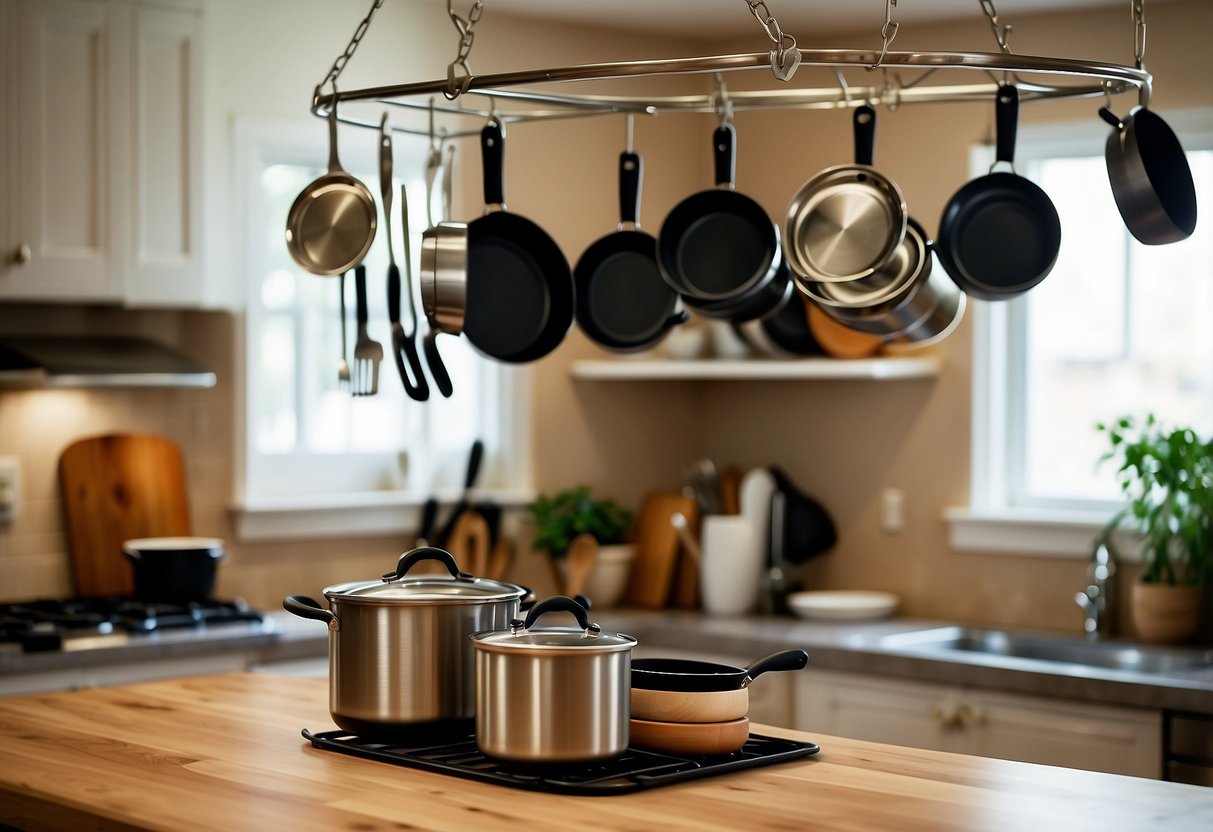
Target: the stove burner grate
(634, 771)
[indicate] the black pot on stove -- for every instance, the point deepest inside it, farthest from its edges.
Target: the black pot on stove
(174, 569)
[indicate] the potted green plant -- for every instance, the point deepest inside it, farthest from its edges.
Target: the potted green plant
(1166, 476)
(568, 519)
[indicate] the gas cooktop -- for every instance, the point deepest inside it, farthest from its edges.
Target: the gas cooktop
(74, 624)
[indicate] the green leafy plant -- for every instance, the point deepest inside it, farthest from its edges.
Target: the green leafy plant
(1166, 476)
(563, 516)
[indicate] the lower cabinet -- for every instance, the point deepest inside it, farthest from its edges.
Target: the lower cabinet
(989, 724)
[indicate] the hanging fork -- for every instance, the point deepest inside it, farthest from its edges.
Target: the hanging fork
(343, 366)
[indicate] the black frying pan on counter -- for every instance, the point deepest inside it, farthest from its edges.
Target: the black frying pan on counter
(520, 295)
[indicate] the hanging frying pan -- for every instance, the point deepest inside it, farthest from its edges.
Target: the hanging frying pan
(520, 295)
(622, 302)
(1150, 177)
(847, 221)
(758, 301)
(331, 224)
(718, 244)
(999, 235)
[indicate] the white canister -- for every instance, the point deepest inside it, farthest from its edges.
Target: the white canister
(731, 565)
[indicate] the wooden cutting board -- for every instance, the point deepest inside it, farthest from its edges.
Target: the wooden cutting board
(652, 573)
(116, 488)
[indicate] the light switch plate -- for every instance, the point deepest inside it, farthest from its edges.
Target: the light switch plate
(10, 488)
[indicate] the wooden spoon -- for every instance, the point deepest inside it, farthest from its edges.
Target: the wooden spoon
(579, 562)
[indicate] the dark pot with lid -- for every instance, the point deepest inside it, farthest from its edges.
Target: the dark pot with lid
(399, 657)
(174, 570)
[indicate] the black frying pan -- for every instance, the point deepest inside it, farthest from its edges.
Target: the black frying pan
(622, 301)
(999, 235)
(691, 675)
(1150, 177)
(520, 295)
(717, 244)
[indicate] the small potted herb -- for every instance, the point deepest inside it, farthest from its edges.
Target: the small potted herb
(560, 519)
(1166, 476)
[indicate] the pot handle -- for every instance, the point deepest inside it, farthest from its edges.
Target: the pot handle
(530, 599)
(560, 603)
(1111, 118)
(783, 660)
(411, 558)
(306, 607)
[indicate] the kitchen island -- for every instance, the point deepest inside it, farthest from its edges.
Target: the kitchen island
(225, 752)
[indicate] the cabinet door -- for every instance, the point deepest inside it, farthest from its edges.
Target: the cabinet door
(163, 239)
(65, 66)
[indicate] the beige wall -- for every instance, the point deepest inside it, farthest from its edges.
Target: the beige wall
(842, 441)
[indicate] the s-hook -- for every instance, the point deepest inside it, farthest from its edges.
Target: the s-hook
(785, 57)
(888, 33)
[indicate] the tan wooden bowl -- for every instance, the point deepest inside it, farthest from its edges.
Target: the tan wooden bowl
(693, 738)
(690, 706)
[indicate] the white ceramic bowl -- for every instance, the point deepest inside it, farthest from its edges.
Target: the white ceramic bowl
(843, 605)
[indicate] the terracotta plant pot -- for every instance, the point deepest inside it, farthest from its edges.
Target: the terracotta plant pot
(1165, 614)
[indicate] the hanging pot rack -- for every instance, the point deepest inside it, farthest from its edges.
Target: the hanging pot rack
(510, 96)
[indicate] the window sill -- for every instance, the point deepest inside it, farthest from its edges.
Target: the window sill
(366, 514)
(1036, 532)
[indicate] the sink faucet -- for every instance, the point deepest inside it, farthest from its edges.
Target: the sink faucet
(1098, 599)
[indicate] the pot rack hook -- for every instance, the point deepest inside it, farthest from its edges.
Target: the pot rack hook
(631, 127)
(785, 57)
(458, 73)
(724, 105)
(843, 87)
(888, 33)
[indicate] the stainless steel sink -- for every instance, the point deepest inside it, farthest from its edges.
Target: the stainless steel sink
(1113, 655)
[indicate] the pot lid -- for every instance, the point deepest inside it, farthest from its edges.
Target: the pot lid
(428, 589)
(212, 546)
(525, 636)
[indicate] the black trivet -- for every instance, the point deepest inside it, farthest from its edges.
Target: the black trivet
(634, 771)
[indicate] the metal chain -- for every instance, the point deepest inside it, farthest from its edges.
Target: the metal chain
(1001, 33)
(783, 64)
(459, 74)
(344, 57)
(1139, 31)
(888, 32)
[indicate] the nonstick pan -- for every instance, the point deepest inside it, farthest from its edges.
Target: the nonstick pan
(847, 221)
(1151, 180)
(718, 244)
(696, 676)
(520, 295)
(999, 235)
(331, 224)
(622, 301)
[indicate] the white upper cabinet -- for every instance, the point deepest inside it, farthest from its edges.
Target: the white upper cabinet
(101, 153)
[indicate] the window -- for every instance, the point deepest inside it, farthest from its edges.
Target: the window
(309, 444)
(1118, 328)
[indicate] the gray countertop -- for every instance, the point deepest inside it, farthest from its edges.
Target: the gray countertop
(845, 646)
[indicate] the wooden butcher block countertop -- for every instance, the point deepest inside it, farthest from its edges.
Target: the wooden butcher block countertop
(225, 753)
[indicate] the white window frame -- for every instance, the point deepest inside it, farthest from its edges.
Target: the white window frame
(991, 523)
(259, 516)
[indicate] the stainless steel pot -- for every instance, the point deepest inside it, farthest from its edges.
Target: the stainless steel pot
(399, 655)
(553, 694)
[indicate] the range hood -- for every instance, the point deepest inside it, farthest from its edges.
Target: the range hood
(96, 361)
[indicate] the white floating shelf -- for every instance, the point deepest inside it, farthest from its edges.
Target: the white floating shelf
(756, 369)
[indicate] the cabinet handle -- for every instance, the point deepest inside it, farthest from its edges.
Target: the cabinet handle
(949, 713)
(22, 254)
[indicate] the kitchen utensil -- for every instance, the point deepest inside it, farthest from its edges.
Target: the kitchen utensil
(783, 334)
(623, 303)
(762, 299)
(579, 562)
(840, 340)
(469, 542)
(999, 234)
(845, 222)
(684, 585)
(331, 224)
(843, 605)
(552, 694)
(115, 488)
(718, 244)
(475, 457)
(520, 294)
(703, 480)
(343, 367)
(1151, 180)
(429, 513)
(174, 570)
(649, 582)
(808, 529)
(730, 489)
(731, 565)
(443, 283)
(399, 655)
(692, 675)
(500, 558)
(367, 352)
(697, 739)
(404, 347)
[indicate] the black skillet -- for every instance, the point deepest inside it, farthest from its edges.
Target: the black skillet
(696, 676)
(999, 235)
(1151, 180)
(718, 244)
(520, 295)
(622, 301)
